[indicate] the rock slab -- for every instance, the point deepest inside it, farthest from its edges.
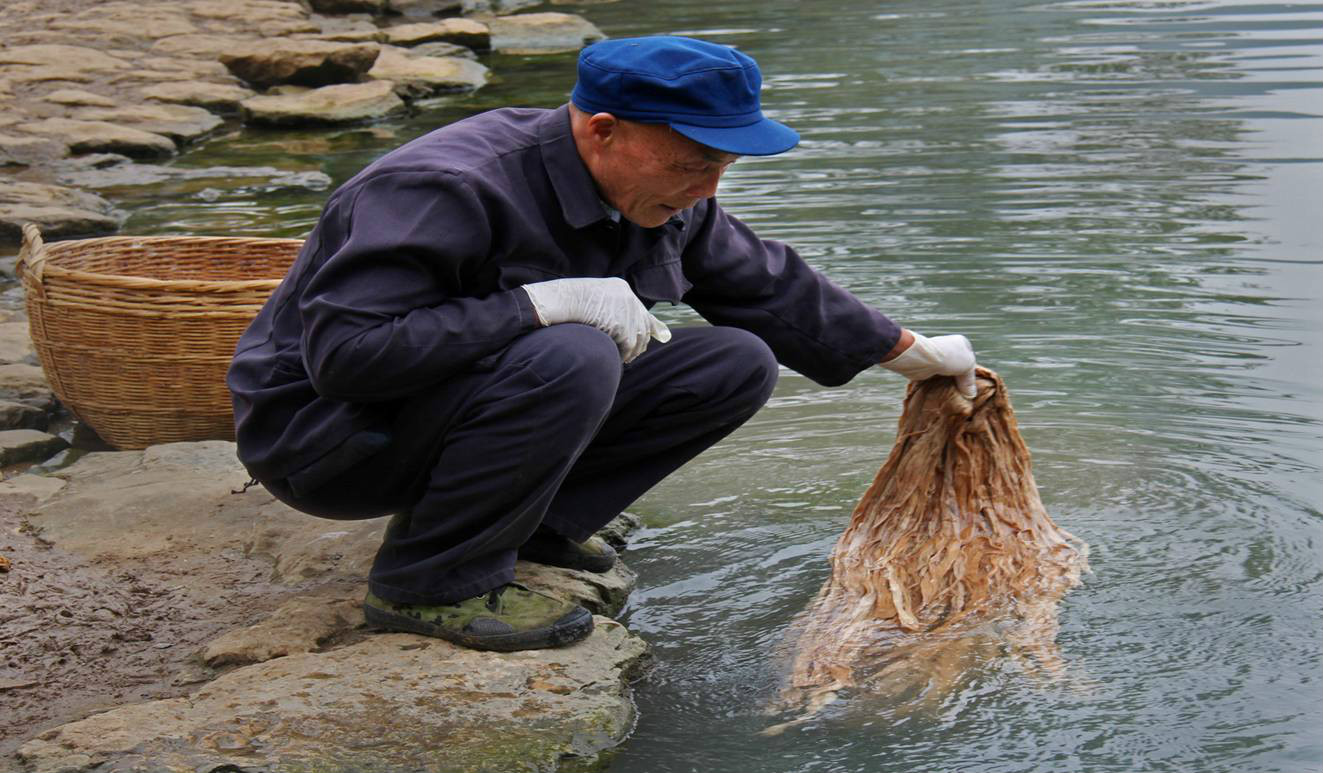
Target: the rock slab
(392, 702)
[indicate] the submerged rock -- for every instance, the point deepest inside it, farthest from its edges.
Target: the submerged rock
(102, 137)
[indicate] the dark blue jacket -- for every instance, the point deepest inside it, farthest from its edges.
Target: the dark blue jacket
(412, 275)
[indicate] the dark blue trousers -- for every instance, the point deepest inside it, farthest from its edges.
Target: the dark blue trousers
(556, 432)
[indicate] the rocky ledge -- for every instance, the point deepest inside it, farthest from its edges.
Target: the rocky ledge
(233, 625)
(146, 79)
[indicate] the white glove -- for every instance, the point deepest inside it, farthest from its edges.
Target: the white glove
(939, 356)
(606, 304)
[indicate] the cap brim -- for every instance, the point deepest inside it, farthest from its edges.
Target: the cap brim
(765, 138)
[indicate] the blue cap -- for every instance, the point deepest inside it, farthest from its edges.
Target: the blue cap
(705, 91)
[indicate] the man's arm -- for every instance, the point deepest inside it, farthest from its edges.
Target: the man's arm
(392, 308)
(812, 325)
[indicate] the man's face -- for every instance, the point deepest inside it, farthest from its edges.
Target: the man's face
(649, 172)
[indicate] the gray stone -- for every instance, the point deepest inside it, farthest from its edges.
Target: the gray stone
(102, 137)
(620, 529)
(300, 625)
(15, 343)
(442, 49)
(79, 97)
(603, 594)
(300, 62)
(123, 24)
(391, 702)
(421, 76)
(54, 221)
(26, 384)
(497, 6)
(180, 123)
(200, 46)
(26, 151)
(19, 416)
(219, 97)
(542, 33)
(26, 445)
(461, 32)
(56, 210)
(75, 57)
(375, 7)
(129, 174)
(423, 8)
(345, 103)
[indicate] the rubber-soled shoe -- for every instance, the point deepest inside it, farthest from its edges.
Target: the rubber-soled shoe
(548, 547)
(507, 619)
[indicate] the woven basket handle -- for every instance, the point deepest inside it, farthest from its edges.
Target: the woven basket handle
(32, 255)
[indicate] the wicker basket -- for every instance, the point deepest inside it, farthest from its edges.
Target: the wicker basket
(135, 333)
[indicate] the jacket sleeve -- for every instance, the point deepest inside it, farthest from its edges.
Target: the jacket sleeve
(393, 307)
(812, 325)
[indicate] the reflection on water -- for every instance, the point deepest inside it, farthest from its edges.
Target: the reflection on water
(1119, 202)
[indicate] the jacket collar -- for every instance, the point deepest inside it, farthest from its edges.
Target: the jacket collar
(575, 189)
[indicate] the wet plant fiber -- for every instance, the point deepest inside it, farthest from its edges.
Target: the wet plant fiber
(949, 542)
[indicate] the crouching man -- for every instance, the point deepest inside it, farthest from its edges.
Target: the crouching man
(465, 342)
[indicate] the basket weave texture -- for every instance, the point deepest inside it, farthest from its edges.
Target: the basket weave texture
(135, 333)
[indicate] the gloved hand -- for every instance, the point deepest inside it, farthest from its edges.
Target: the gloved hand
(607, 304)
(938, 356)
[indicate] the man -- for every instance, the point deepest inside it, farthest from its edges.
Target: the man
(464, 340)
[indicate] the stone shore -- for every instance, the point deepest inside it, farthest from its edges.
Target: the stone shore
(89, 86)
(155, 614)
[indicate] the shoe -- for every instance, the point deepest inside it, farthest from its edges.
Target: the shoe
(548, 547)
(507, 619)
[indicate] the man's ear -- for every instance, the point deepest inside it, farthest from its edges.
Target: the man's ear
(603, 127)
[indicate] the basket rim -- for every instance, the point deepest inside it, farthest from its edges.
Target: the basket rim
(49, 253)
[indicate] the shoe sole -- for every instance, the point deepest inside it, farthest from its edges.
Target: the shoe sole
(573, 627)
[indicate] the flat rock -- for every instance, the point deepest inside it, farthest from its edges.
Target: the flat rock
(181, 123)
(462, 32)
(470, 7)
(15, 343)
(199, 46)
(124, 173)
(77, 97)
(102, 137)
(414, 9)
(300, 62)
(302, 624)
(26, 151)
(26, 445)
(391, 702)
(375, 7)
(420, 76)
(54, 221)
(26, 384)
(77, 57)
(218, 97)
(345, 103)
(55, 209)
(542, 33)
(124, 24)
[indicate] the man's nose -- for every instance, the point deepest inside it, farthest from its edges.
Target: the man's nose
(705, 187)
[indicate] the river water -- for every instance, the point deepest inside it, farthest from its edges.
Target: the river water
(1121, 204)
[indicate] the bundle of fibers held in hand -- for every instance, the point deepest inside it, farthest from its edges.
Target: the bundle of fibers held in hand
(950, 539)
